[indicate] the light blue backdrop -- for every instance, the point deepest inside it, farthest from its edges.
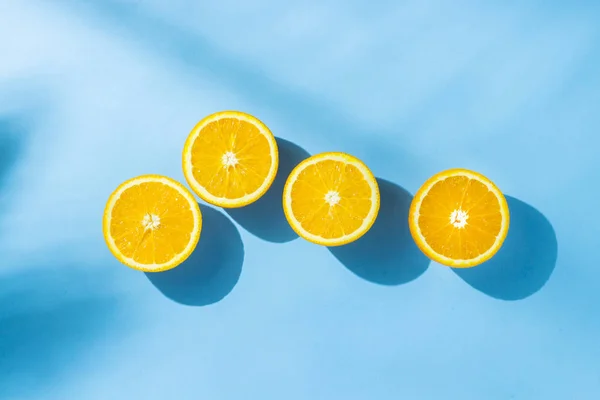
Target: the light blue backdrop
(95, 92)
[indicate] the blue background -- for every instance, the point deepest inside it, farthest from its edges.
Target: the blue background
(96, 92)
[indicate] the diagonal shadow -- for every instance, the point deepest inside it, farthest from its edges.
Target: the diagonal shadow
(525, 261)
(305, 112)
(14, 133)
(49, 318)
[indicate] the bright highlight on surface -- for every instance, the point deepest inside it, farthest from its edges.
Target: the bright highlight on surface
(331, 199)
(459, 218)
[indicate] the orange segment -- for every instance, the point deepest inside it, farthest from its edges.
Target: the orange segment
(230, 159)
(151, 223)
(331, 199)
(459, 218)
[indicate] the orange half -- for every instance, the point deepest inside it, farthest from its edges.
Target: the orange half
(151, 223)
(459, 218)
(230, 159)
(331, 199)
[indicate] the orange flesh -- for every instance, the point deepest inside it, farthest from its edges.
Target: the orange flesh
(317, 216)
(151, 246)
(483, 223)
(246, 143)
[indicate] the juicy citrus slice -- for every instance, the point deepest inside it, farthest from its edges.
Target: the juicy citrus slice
(331, 199)
(151, 223)
(459, 218)
(230, 159)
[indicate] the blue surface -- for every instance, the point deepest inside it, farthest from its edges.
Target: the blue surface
(95, 92)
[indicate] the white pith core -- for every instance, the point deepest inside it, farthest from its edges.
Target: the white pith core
(332, 198)
(151, 221)
(229, 159)
(459, 218)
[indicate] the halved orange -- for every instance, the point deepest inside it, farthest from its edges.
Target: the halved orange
(459, 218)
(230, 159)
(152, 223)
(331, 199)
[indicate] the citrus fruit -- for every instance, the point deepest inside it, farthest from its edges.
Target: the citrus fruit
(459, 218)
(230, 159)
(151, 223)
(331, 199)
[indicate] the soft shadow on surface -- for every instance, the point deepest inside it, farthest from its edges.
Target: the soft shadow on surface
(13, 133)
(524, 263)
(265, 218)
(48, 320)
(386, 254)
(212, 270)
